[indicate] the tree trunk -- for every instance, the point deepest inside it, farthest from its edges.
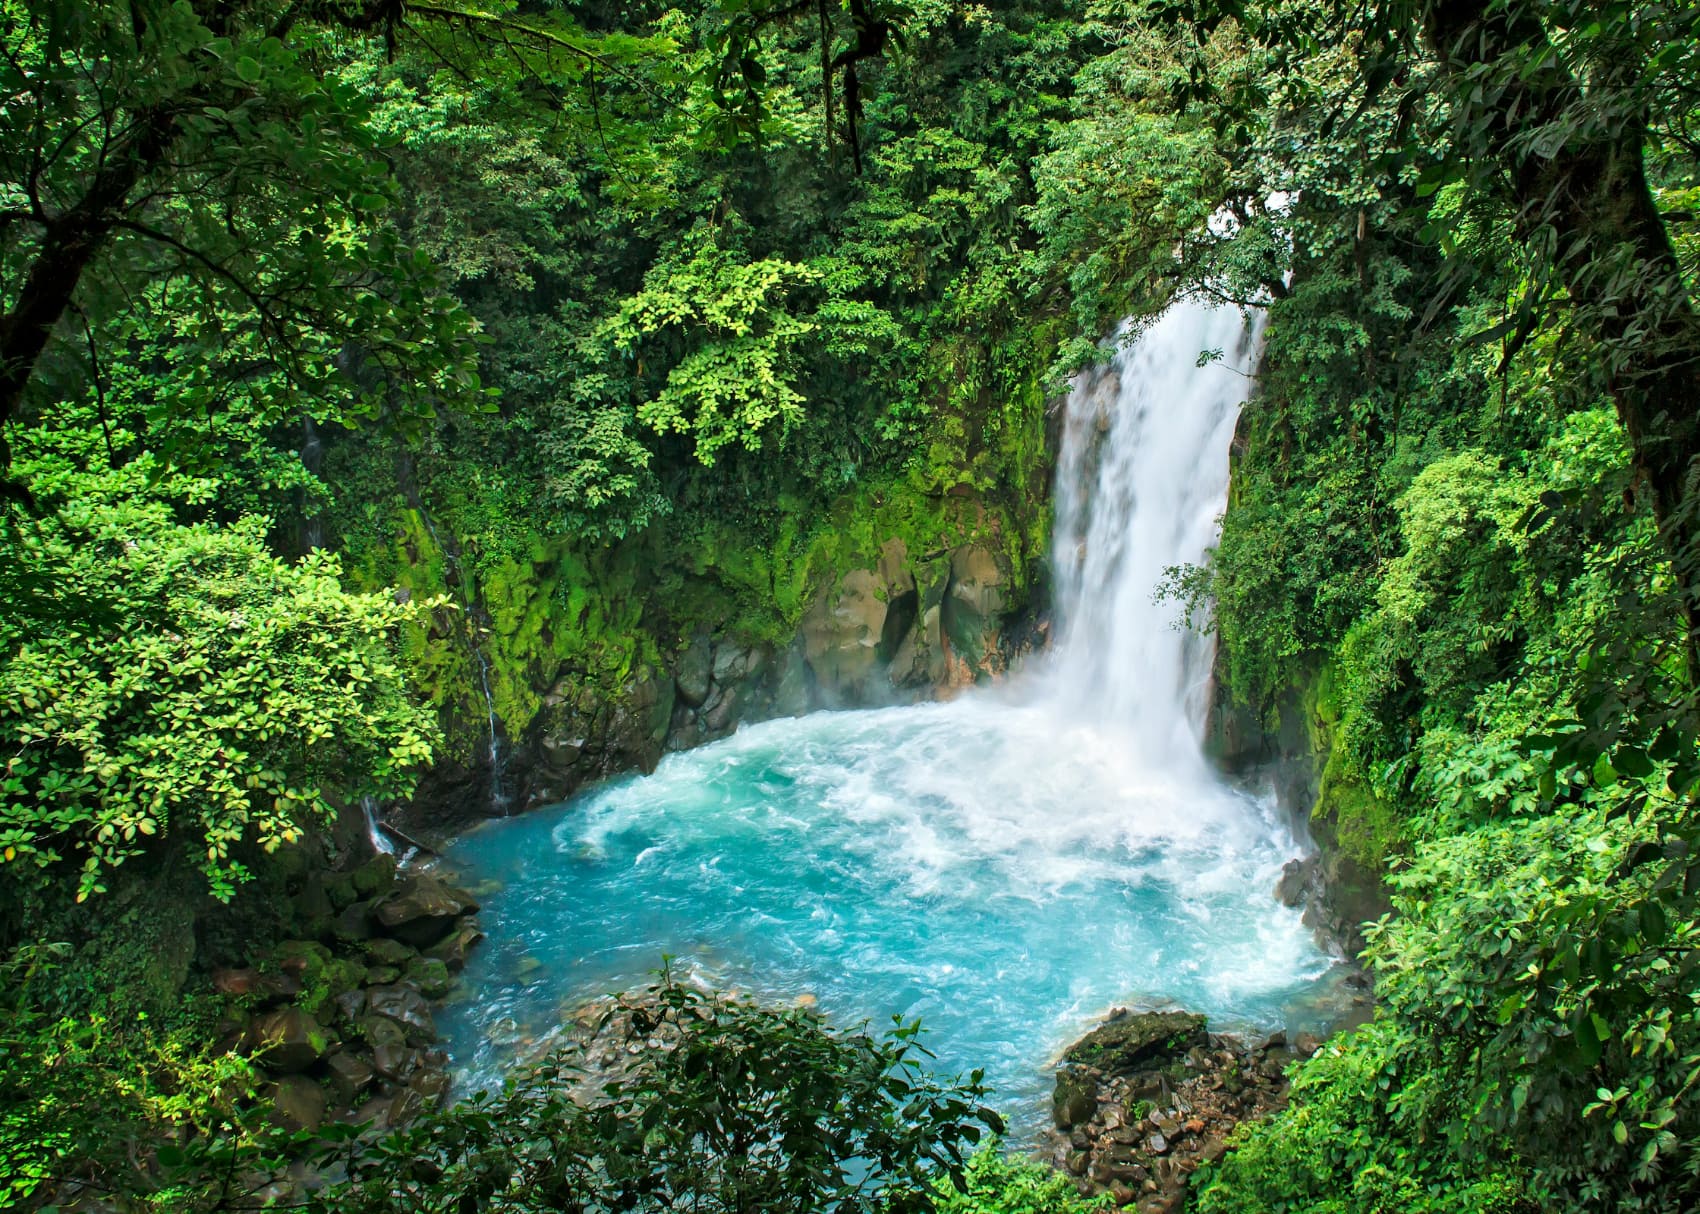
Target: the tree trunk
(1611, 251)
(69, 244)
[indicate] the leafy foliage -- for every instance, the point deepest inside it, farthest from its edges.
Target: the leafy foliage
(180, 682)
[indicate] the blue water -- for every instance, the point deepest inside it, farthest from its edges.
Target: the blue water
(1008, 865)
(999, 866)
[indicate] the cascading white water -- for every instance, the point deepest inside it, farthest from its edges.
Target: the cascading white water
(1005, 865)
(1141, 482)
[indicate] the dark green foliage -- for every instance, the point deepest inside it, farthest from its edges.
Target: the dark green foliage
(746, 1109)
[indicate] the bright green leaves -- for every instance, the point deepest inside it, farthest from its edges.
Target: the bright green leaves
(720, 325)
(212, 694)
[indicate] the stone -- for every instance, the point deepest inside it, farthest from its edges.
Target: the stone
(404, 1106)
(973, 602)
(724, 714)
(353, 923)
(1294, 883)
(1132, 1039)
(841, 634)
(350, 1005)
(381, 1030)
(731, 661)
(454, 948)
(235, 982)
(300, 958)
(273, 989)
(286, 1041)
(375, 877)
(1075, 1163)
(339, 887)
(431, 976)
(298, 1103)
(406, 1006)
(795, 693)
(349, 1075)
(382, 975)
(695, 672)
(422, 910)
(432, 1086)
(1157, 1144)
(384, 951)
(1307, 1044)
(395, 1062)
(1074, 1101)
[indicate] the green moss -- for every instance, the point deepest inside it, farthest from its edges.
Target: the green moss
(564, 623)
(1348, 813)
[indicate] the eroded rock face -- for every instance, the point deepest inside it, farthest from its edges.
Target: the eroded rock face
(972, 614)
(906, 625)
(841, 636)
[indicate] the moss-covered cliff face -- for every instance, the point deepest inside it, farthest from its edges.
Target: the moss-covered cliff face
(585, 659)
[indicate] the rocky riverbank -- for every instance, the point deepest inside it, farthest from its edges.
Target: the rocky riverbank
(339, 1024)
(1148, 1097)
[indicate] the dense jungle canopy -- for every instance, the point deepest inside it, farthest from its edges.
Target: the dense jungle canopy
(382, 382)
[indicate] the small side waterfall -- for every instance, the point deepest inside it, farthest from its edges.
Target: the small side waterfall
(375, 832)
(1142, 479)
(1005, 865)
(501, 801)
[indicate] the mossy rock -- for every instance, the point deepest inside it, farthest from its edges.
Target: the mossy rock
(1133, 1040)
(1074, 1101)
(431, 976)
(384, 951)
(339, 888)
(376, 876)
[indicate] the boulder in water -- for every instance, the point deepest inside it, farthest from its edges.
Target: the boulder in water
(423, 910)
(407, 1007)
(1134, 1039)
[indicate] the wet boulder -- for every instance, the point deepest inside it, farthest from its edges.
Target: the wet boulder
(1131, 1040)
(297, 1103)
(454, 948)
(349, 1075)
(407, 1007)
(1074, 1101)
(286, 1041)
(422, 910)
(695, 672)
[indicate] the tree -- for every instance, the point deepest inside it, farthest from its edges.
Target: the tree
(1548, 111)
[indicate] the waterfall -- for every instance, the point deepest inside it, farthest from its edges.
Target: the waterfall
(1142, 479)
(375, 833)
(1006, 865)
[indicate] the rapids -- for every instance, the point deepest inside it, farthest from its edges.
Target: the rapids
(1005, 865)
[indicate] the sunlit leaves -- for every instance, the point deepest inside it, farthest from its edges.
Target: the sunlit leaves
(217, 695)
